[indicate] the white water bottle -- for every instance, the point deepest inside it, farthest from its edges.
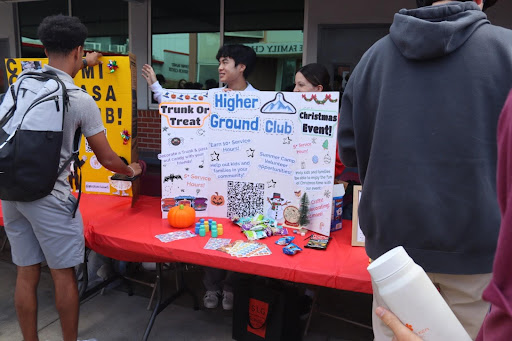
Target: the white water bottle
(412, 297)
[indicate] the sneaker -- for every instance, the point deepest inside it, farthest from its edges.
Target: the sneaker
(211, 299)
(227, 300)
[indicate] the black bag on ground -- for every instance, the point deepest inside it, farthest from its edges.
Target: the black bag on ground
(266, 310)
(31, 131)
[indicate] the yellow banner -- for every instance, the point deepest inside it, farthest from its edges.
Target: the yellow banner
(114, 93)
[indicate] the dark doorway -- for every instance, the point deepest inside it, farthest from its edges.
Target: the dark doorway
(340, 47)
(4, 53)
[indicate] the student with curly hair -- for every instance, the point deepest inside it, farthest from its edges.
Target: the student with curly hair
(45, 229)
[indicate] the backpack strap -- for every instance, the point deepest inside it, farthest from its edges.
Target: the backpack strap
(11, 111)
(77, 165)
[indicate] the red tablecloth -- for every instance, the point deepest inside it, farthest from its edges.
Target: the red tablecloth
(115, 229)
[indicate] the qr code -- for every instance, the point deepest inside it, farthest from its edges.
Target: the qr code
(245, 198)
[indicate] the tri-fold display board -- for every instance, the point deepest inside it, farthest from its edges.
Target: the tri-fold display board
(232, 153)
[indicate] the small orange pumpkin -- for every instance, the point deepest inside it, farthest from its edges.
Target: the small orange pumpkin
(181, 216)
(217, 200)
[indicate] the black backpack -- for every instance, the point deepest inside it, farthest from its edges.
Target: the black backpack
(31, 131)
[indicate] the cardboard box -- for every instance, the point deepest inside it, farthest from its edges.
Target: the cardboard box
(337, 207)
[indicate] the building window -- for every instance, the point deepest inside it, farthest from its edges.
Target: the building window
(97, 15)
(107, 25)
(274, 30)
(30, 15)
(184, 41)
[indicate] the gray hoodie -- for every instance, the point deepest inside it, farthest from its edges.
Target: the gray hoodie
(419, 118)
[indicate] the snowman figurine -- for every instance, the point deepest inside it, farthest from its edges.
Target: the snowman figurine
(277, 205)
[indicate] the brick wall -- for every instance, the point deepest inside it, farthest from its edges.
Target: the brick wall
(148, 130)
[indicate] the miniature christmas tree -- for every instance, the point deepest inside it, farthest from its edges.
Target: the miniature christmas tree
(325, 144)
(304, 211)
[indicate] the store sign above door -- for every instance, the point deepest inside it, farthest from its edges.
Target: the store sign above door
(277, 49)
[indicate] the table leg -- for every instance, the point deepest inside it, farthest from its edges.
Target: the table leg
(182, 287)
(362, 325)
(313, 305)
(4, 242)
(159, 305)
(316, 309)
(92, 291)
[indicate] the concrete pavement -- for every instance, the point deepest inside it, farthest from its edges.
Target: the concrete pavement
(115, 316)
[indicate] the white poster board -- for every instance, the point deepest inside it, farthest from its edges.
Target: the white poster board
(231, 153)
(358, 238)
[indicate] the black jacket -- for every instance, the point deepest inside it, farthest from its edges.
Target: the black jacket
(418, 118)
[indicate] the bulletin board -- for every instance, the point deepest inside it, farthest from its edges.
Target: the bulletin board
(358, 238)
(232, 153)
(113, 89)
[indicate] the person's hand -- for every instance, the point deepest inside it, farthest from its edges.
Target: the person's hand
(137, 169)
(227, 89)
(149, 74)
(402, 333)
(93, 58)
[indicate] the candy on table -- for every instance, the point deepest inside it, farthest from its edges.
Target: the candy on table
(291, 249)
(284, 240)
(255, 235)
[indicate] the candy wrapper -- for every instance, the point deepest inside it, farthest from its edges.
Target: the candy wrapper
(318, 242)
(285, 240)
(255, 235)
(258, 227)
(279, 230)
(291, 249)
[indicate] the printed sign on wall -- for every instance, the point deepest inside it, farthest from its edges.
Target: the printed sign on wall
(230, 153)
(112, 86)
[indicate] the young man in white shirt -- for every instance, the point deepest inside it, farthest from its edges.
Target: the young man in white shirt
(236, 63)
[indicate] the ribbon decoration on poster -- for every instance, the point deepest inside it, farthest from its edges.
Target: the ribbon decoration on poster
(114, 95)
(232, 153)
